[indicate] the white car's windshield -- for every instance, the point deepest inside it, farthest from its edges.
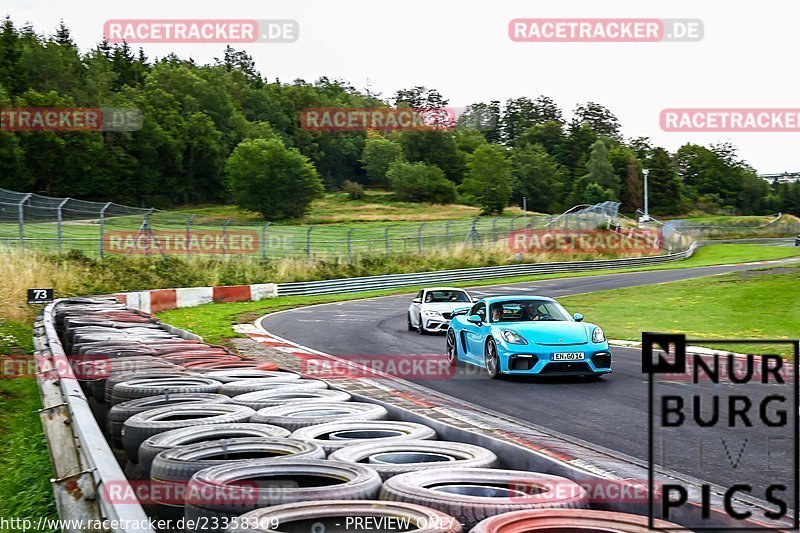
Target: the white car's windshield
(446, 296)
(527, 311)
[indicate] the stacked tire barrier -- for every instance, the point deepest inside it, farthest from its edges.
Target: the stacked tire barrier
(256, 448)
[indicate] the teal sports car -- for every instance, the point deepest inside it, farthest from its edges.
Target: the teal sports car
(529, 335)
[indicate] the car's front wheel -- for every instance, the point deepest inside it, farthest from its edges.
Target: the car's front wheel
(420, 327)
(408, 319)
(492, 360)
(452, 353)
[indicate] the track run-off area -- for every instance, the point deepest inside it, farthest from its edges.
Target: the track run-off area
(610, 413)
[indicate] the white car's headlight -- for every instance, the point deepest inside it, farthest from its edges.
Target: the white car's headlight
(431, 313)
(598, 335)
(513, 338)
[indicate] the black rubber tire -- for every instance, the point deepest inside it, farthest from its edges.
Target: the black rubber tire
(328, 513)
(235, 388)
(114, 379)
(193, 435)
(420, 327)
(139, 427)
(294, 417)
(118, 414)
(289, 396)
(573, 520)
(456, 454)
(228, 376)
(427, 488)
(452, 348)
(175, 467)
(492, 368)
(130, 390)
(383, 430)
(334, 481)
(410, 325)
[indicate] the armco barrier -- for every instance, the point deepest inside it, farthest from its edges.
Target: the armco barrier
(370, 283)
(94, 463)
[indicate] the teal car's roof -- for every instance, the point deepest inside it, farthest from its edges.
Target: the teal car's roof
(497, 299)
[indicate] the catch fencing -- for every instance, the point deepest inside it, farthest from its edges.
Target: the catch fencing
(33, 221)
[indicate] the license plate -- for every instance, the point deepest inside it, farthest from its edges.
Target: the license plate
(568, 356)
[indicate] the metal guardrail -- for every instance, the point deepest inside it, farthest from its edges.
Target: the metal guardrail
(370, 283)
(98, 464)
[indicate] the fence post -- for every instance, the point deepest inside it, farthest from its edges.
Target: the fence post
(447, 234)
(264, 241)
(308, 242)
(494, 229)
(58, 230)
(189, 236)
(224, 234)
(386, 237)
(349, 249)
(474, 231)
(419, 237)
(22, 221)
(103, 228)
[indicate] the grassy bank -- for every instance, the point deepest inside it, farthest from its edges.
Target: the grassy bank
(759, 304)
(75, 274)
(25, 468)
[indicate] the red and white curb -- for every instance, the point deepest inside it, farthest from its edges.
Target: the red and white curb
(156, 300)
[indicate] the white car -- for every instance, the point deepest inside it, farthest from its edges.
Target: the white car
(431, 309)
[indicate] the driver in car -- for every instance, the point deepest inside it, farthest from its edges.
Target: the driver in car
(497, 313)
(531, 313)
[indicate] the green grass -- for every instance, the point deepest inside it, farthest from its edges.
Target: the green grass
(761, 304)
(25, 468)
(214, 321)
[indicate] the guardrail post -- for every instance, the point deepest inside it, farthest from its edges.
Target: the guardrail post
(103, 227)
(224, 234)
(22, 221)
(386, 237)
(419, 237)
(189, 236)
(264, 241)
(308, 242)
(349, 249)
(58, 227)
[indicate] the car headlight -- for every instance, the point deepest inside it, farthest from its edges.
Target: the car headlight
(512, 338)
(431, 313)
(598, 335)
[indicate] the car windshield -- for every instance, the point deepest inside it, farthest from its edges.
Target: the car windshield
(528, 311)
(446, 296)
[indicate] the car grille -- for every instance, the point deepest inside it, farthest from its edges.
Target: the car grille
(566, 368)
(447, 316)
(522, 363)
(602, 360)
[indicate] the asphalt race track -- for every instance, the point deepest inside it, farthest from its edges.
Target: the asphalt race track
(610, 412)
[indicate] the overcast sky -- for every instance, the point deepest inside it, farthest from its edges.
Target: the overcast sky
(747, 59)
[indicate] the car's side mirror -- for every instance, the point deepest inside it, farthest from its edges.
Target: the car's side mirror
(416, 301)
(578, 317)
(474, 298)
(475, 319)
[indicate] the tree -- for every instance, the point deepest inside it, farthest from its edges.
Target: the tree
(488, 179)
(599, 169)
(482, 117)
(418, 182)
(522, 113)
(434, 147)
(633, 198)
(537, 176)
(664, 184)
(420, 97)
(270, 179)
(378, 154)
(599, 118)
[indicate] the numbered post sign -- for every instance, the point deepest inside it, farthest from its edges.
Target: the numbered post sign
(40, 296)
